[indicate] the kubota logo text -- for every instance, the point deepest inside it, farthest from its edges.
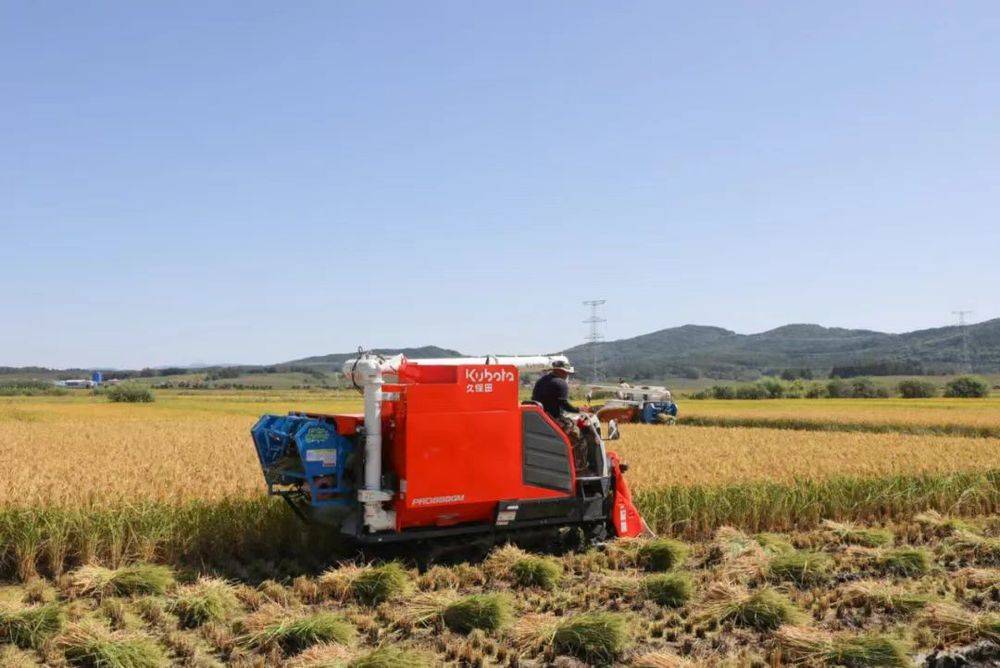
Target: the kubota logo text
(482, 375)
(480, 380)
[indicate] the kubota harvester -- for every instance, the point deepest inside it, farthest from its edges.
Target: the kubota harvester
(646, 404)
(443, 448)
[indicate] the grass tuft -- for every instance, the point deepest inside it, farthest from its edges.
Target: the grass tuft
(335, 583)
(905, 561)
(426, 608)
(136, 580)
(39, 591)
(489, 612)
(294, 634)
(325, 655)
(941, 526)
(618, 585)
(116, 611)
(595, 637)
(978, 548)
(94, 647)
(669, 589)
(533, 633)
(763, 609)
(388, 656)
(954, 624)
(804, 645)
(28, 628)
(537, 572)
(661, 554)
(379, 584)
(883, 597)
(801, 567)
(863, 536)
(501, 560)
(741, 555)
(142, 579)
(774, 543)
(661, 660)
(12, 656)
(868, 650)
(733, 544)
(208, 600)
(979, 578)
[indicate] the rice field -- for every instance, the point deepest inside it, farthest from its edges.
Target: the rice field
(802, 546)
(960, 417)
(699, 456)
(86, 479)
(185, 448)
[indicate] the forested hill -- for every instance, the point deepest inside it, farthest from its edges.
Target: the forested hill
(712, 351)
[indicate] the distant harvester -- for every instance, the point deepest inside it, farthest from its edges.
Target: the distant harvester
(76, 383)
(96, 378)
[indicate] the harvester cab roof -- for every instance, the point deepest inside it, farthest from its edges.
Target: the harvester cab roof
(444, 447)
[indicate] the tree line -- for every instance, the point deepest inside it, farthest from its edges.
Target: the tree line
(839, 388)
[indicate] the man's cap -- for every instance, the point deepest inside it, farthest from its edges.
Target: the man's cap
(560, 365)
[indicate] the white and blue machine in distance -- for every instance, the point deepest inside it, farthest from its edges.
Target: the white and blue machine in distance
(645, 404)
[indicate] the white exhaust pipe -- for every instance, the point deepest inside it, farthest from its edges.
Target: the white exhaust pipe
(373, 430)
(366, 371)
(527, 363)
(354, 368)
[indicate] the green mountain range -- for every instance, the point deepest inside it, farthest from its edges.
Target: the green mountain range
(694, 350)
(697, 350)
(700, 351)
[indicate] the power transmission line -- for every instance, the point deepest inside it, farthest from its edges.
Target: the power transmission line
(963, 323)
(594, 336)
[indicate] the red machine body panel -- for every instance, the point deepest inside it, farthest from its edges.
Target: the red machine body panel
(454, 439)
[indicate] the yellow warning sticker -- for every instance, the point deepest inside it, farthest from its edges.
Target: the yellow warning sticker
(327, 457)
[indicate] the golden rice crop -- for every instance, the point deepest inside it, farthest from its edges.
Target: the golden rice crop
(178, 479)
(82, 451)
(958, 416)
(87, 452)
(719, 455)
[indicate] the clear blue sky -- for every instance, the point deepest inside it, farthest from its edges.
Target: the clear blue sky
(253, 182)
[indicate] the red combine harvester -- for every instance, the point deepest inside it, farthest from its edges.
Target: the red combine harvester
(444, 449)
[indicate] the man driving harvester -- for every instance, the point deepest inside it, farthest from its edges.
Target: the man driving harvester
(552, 392)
